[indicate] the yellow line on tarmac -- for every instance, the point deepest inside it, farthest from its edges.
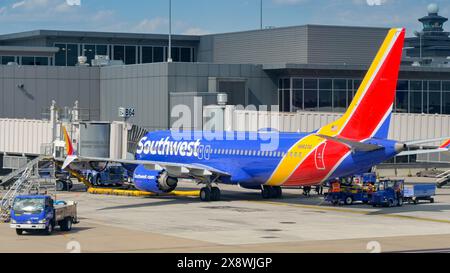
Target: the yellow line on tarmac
(353, 211)
(140, 193)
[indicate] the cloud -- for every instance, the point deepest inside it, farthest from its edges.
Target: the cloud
(30, 4)
(73, 2)
(288, 2)
(195, 31)
(151, 25)
(376, 2)
(2, 10)
(18, 4)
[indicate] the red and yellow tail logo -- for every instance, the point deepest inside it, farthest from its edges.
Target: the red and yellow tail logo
(446, 144)
(369, 113)
(68, 141)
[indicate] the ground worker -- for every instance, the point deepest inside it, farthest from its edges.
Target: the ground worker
(306, 190)
(336, 186)
(319, 189)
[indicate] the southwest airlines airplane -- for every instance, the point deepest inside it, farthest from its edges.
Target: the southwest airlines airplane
(351, 145)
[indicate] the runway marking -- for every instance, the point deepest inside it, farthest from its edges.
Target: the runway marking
(353, 211)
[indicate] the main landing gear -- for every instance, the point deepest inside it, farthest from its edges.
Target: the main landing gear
(209, 193)
(269, 192)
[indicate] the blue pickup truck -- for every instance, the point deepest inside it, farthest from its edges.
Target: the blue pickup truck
(32, 213)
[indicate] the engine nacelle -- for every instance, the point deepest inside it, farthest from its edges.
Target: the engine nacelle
(153, 181)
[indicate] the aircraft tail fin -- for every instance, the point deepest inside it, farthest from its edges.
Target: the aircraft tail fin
(445, 145)
(370, 111)
(69, 146)
(71, 154)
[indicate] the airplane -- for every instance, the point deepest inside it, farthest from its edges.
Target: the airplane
(351, 145)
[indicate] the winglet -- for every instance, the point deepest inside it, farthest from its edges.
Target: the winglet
(445, 145)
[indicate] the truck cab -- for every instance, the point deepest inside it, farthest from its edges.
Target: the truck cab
(388, 193)
(40, 213)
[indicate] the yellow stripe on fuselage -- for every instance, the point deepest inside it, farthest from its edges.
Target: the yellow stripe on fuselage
(293, 159)
(334, 128)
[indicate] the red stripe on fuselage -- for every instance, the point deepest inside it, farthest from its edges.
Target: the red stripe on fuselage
(310, 172)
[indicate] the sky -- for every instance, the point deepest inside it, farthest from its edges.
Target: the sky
(199, 17)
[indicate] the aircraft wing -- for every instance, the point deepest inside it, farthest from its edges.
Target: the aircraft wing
(175, 169)
(415, 149)
(354, 145)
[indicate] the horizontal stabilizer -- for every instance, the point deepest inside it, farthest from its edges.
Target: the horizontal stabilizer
(415, 142)
(424, 151)
(354, 145)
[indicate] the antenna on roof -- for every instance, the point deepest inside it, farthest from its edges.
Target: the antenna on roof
(261, 15)
(169, 51)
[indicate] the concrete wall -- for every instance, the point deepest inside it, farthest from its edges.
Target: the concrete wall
(143, 87)
(147, 88)
(42, 84)
(258, 47)
(310, 44)
(344, 45)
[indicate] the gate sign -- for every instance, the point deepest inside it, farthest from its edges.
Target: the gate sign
(126, 112)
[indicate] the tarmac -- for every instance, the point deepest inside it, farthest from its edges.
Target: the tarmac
(242, 222)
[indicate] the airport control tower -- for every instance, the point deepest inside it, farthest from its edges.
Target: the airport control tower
(431, 46)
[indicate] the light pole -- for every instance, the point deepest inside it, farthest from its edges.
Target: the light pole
(169, 51)
(261, 15)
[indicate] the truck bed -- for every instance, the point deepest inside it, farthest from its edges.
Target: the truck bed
(419, 190)
(66, 210)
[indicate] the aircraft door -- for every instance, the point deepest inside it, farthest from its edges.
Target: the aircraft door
(320, 156)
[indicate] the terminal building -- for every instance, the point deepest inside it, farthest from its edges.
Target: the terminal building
(307, 69)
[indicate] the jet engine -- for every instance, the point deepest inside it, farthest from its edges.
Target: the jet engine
(153, 181)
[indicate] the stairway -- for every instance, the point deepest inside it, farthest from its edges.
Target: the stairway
(443, 179)
(22, 186)
(8, 180)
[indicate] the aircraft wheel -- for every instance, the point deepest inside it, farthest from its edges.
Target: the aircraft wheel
(215, 194)
(266, 192)
(278, 192)
(205, 194)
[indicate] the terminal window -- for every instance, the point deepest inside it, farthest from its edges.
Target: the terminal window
(335, 95)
